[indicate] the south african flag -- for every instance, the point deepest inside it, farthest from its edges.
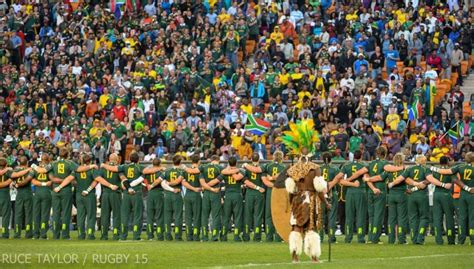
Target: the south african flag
(256, 126)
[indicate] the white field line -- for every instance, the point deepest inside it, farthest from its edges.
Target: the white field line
(249, 265)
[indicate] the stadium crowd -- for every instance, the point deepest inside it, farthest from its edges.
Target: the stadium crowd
(181, 78)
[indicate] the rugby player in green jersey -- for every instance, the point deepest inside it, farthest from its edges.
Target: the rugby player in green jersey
(254, 199)
(86, 203)
(6, 176)
(211, 200)
(155, 201)
(397, 202)
(111, 199)
(232, 177)
(356, 198)
(377, 196)
(41, 199)
(24, 200)
(192, 200)
(443, 205)
(173, 203)
(418, 207)
(271, 171)
(464, 177)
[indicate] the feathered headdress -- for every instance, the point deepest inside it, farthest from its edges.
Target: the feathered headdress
(301, 135)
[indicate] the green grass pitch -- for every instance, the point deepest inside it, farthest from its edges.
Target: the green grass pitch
(154, 254)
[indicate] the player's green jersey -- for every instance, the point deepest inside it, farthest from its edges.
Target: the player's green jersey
(329, 172)
(151, 178)
(375, 169)
(172, 175)
(351, 168)
(62, 169)
(111, 177)
(273, 169)
(43, 178)
(132, 171)
(193, 179)
(389, 177)
(442, 179)
(466, 172)
(417, 173)
(232, 185)
(25, 188)
(4, 178)
(255, 178)
(84, 180)
(210, 172)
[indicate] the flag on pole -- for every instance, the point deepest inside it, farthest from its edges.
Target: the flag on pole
(257, 126)
(415, 111)
(453, 135)
(115, 8)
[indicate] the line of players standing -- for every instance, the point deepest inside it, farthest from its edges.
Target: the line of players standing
(213, 199)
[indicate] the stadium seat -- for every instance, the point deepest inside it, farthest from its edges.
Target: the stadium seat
(400, 66)
(240, 56)
(250, 47)
(467, 109)
(454, 78)
(464, 67)
(441, 90)
(446, 82)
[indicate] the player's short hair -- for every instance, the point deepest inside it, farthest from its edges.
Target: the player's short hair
(63, 153)
(45, 158)
(176, 159)
(444, 160)
(357, 154)
(134, 158)
(255, 157)
(3, 162)
(156, 162)
(278, 156)
(398, 159)
(23, 160)
(420, 159)
(232, 161)
(86, 158)
(381, 152)
(195, 158)
(214, 158)
(113, 157)
(326, 156)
